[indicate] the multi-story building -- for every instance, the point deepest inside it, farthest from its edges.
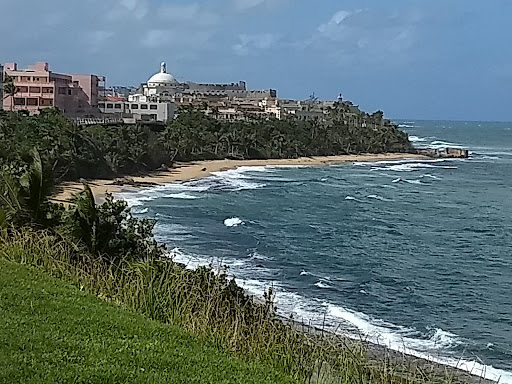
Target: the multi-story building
(1, 85)
(140, 108)
(38, 87)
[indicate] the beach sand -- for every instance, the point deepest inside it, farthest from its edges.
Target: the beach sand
(194, 170)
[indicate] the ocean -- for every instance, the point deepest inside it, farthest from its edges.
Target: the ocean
(413, 255)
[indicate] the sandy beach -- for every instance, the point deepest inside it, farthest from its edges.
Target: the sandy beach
(194, 170)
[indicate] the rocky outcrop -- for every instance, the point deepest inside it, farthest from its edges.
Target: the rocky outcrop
(447, 152)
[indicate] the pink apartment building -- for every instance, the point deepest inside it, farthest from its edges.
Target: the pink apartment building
(37, 88)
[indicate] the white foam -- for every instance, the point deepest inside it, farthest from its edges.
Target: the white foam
(377, 197)
(350, 198)
(355, 324)
(322, 285)
(233, 222)
(257, 256)
(236, 180)
(415, 139)
(431, 176)
(400, 180)
(181, 195)
(304, 273)
(439, 144)
(406, 126)
(396, 338)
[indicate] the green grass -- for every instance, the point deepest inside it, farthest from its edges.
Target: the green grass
(50, 331)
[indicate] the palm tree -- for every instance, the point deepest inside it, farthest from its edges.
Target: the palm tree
(10, 89)
(25, 200)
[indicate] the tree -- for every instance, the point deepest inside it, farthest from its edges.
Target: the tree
(10, 89)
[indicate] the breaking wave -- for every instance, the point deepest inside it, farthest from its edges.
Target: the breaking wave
(233, 222)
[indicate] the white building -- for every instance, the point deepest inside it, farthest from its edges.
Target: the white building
(140, 108)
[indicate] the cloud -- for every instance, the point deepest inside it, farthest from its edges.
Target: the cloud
(189, 13)
(251, 43)
(246, 5)
(364, 34)
(335, 23)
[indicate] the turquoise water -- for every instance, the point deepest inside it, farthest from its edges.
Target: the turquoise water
(414, 255)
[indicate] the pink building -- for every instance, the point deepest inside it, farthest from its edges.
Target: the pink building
(38, 88)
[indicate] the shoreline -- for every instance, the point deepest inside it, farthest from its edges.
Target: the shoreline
(185, 171)
(198, 169)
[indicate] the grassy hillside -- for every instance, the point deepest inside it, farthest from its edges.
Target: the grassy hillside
(50, 331)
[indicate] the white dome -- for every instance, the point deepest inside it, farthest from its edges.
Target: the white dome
(162, 77)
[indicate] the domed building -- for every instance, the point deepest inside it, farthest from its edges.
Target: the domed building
(162, 84)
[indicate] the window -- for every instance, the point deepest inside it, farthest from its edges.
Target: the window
(110, 106)
(69, 92)
(101, 105)
(143, 106)
(35, 89)
(117, 106)
(62, 90)
(135, 106)
(153, 106)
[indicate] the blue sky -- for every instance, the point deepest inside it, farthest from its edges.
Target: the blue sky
(436, 59)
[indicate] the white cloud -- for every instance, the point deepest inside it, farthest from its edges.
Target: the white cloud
(243, 5)
(190, 13)
(365, 34)
(246, 5)
(250, 43)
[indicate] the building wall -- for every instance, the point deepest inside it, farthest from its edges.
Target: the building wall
(1, 85)
(140, 110)
(40, 88)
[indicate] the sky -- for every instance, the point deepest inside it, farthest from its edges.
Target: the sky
(413, 59)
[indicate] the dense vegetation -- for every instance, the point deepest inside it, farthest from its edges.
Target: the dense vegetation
(81, 339)
(70, 152)
(107, 252)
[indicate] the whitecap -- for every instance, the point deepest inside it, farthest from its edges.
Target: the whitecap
(182, 195)
(377, 197)
(415, 139)
(430, 176)
(354, 324)
(350, 198)
(304, 273)
(233, 222)
(322, 285)
(257, 256)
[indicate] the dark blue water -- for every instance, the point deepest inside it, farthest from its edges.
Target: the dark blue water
(415, 255)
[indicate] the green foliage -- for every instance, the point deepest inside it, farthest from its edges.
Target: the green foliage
(80, 339)
(210, 306)
(25, 199)
(195, 136)
(70, 152)
(109, 230)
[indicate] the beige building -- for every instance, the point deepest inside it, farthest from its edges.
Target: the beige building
(1, 86)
